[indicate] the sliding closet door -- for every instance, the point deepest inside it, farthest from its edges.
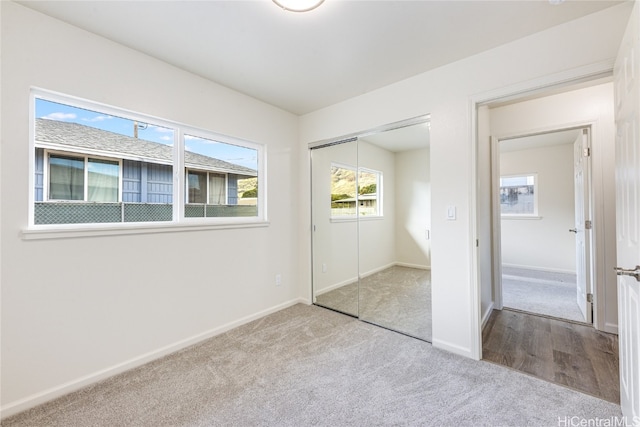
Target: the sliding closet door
(334, 173)
(394, 230)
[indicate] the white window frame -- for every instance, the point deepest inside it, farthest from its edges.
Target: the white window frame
(85, 157)
(226, 185)
(43, 231)
(535, 214)
(379, 194)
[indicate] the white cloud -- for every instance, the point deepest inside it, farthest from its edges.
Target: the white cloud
(60, 116)
(98, 119)
(166, 138)
(161, 129)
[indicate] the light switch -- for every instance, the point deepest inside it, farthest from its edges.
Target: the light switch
(451, 213)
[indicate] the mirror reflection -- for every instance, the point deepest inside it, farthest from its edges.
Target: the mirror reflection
(335, 227)
(372, 221)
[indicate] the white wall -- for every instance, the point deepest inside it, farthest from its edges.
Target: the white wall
(446, 93)
(543, 243)
(377, 236)
(335, 243)
(78, 309)
(594, 106)
(413, 208)
(351, 248)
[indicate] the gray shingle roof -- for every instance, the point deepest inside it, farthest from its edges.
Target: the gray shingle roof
(110, 144)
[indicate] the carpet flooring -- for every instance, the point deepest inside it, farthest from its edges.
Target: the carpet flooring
(398, 298)
(549, 294)
(306, 366)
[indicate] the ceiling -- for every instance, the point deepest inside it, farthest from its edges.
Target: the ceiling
(302, 62)
(402, 139)
(540, 140)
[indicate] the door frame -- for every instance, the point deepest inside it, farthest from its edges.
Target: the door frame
(496, 219)
(544, 84)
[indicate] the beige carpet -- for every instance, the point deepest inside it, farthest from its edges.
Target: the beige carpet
(539, 292)
(397, 298)
(308, 366)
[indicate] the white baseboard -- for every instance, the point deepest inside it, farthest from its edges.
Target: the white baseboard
(486, 315)
(544, 269)
(377, 270)
(370, 273)
(20, 405)
(453, 348)
(611, 328)
(337, 285)
(418, 266)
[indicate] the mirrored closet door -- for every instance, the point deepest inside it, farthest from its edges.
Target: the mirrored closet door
(371, 227)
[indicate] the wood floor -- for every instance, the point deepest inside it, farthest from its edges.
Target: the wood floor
(570, 354)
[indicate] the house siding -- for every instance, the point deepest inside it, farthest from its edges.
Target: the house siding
(131, 181)
(39, 175)
(232, 189)
(159, 183)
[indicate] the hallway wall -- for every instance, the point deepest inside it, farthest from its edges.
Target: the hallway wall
(543, 242)
(590, 105)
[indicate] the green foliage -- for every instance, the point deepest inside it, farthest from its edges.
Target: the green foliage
(369, 189)
(335, 197)
(250, 193)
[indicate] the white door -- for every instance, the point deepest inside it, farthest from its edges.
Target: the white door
(582, 215)
(627, 113)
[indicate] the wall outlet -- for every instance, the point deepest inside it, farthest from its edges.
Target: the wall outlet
(278, 279)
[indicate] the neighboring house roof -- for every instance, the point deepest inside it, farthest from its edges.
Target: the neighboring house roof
(367, 196)
(75, 137)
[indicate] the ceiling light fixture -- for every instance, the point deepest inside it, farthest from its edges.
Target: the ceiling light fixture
(298, 5)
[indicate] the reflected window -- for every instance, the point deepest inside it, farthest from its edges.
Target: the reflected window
(351, 196)
(519, 195)
(369, 192)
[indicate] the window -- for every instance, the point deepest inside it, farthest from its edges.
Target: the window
(369, 192)
(519, 195)
(96, 164)
(222, 178)
(67, 179)
(351, 196)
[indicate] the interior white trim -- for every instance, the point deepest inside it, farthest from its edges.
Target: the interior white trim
(417, 266)
(486, 315)
(66, 388)
(504, 94)
(453, 348)
(548, 270)
(59, 232)
(337, 285)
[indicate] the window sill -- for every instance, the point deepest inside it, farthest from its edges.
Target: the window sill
(119, 230)
(529, 217)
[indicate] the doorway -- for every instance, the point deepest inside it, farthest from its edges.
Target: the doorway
(544, 195)
(575, 354)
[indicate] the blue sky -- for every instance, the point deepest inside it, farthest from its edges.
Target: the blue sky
(147, 131)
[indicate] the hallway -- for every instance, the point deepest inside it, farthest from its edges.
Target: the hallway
(577, 356)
